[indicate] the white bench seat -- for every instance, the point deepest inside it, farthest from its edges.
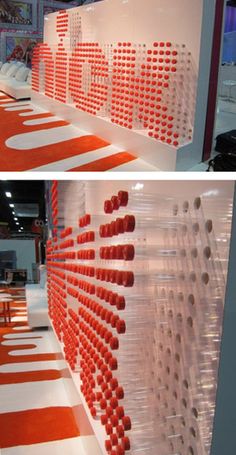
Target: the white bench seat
(37, 306)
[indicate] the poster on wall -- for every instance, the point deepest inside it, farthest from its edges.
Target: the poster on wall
(18, 46)
(15, 14)
(47, 7)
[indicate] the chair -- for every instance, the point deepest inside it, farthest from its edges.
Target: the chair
(6, 310)
(6, 283)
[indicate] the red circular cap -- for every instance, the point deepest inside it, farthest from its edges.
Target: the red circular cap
(114, 228)
(103, 403)
(114, 343)
(126, 422)
(128, 252)
(108, 375)
(113, 276)
(119, 226)
(114, 439)
(125, 443)
(107, 230)
(112, 298)
(120, 431)
(91, 236)
(123, 197)
(104, 419)
(119, 448)
(128, 279)
(120, 302)
(93, 411)
(113, 383)
(119, 277)
(102, 231)
(120, 326)
(109, 411)
(114, 402)
(115, 202)
(119, 392)
(119, 251)
(109, 428)
(129, 223)
(108, 207)
(120, 412)
(108, 394)
(114, 420)
(108, 335)
(113, 363)
(108, 445)
(99, 396)
(87, 219)
(114, 320)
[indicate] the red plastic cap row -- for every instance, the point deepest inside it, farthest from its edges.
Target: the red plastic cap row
(85, 221)
(118, 252)
(121, 278)
(66, 232)
(86, 254)
(86, 237)
(118, 226)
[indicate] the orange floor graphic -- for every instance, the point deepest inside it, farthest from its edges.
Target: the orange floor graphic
(16, 158)
(105, 164)
(40, 424)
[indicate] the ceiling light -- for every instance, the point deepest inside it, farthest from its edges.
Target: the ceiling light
(19, 230)
(8, 194)
(16, 219)
(13, 213)
(17, 224)
(11, 205)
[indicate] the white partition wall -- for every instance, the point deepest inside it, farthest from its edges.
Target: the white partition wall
(134, 73)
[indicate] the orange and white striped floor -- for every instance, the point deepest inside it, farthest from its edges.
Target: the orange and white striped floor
(32, 139)
(40, 410)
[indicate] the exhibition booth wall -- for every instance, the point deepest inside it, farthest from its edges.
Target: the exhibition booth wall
(135, 76)
(137, 276)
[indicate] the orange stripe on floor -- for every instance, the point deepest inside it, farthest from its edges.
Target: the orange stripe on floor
(29, 376)
(22, 160)
(12, 124)
(104, 164)
(37, 426)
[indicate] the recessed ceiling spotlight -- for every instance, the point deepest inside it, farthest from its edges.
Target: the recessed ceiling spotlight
(11, 205)
(16, 219)
(8, 194)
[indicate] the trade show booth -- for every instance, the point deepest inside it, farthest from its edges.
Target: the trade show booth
(135, 76)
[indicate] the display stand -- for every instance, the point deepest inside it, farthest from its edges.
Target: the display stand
(171, 43)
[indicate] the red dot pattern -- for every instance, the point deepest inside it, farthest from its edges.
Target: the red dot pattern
(43, 54)
(89, 88)
(87, 318)
(123, 87)
(151, 90)
(62, 24)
